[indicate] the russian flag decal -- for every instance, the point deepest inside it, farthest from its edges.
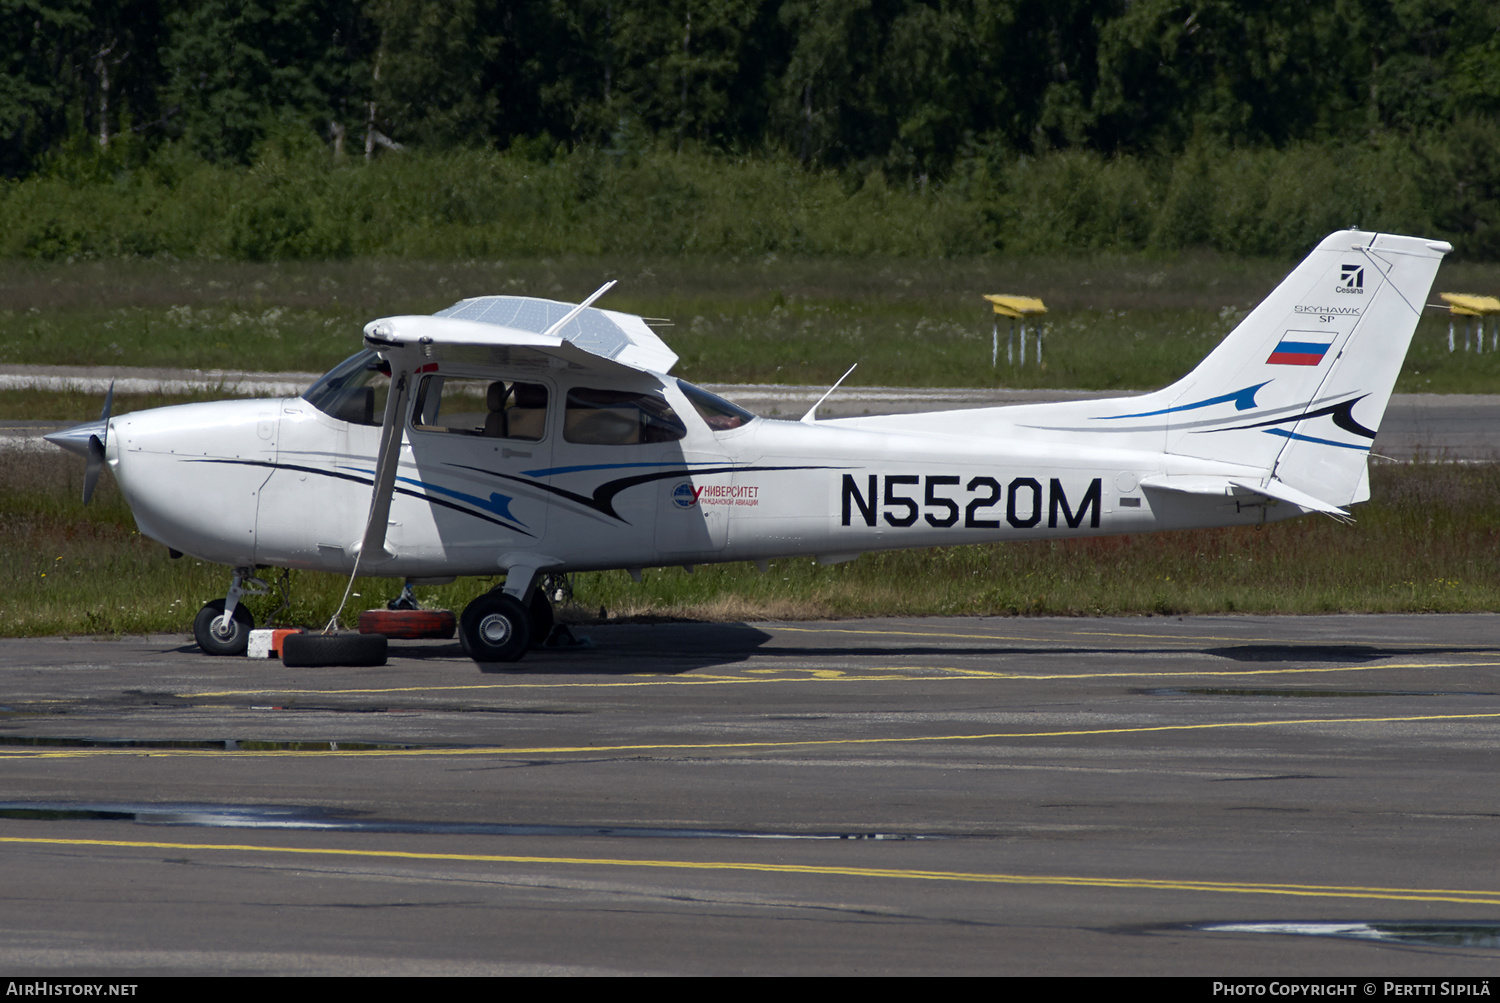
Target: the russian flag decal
(1297, 348)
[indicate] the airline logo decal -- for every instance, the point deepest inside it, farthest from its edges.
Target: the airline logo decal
(687, 496)
(729, 494)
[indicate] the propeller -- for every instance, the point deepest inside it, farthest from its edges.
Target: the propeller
(88, 441)
(96, 447)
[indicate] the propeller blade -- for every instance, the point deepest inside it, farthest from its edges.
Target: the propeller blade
(95, 464)
(96, 447)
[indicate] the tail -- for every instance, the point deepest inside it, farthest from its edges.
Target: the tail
(1300, 386)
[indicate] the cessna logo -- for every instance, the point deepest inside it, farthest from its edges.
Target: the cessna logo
(1351, 280)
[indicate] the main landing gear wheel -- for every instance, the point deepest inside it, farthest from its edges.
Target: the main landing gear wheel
(309, 650)
(495, 628)
(218, 635)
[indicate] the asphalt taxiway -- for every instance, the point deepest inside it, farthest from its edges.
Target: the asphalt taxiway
(986, 796)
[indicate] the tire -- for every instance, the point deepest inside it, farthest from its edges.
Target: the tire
(310, 650)
(495, 628)
(408, 623)
(541, 618)
(234, 641)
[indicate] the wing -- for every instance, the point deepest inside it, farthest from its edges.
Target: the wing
(527, 331)
(517, 332)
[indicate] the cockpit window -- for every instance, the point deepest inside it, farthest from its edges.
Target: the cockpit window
(619, 418)
(718, 413)
(354, 390)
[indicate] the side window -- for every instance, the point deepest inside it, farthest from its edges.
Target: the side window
(491, 408)
(619, 418)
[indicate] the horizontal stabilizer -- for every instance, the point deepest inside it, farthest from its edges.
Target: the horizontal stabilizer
(1273, 489)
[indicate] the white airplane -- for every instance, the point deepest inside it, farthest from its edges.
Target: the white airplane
(521, 436)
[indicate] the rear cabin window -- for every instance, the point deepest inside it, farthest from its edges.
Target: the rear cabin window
(493, 409)
(716, 412)
(619, 418)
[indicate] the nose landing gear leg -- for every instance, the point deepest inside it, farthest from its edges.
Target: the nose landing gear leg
(222, 626)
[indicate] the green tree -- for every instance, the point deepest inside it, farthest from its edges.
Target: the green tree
(238, 67)
(74, 68)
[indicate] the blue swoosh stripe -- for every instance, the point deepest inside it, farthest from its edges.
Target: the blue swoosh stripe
(497, 503)
(1243, 400)
(1312, 438)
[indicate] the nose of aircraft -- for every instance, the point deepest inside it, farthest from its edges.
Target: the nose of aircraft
(191, 473)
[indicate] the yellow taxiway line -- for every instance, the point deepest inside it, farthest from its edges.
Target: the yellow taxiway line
(1456, 895)
(678, 747)
(892, 673)
(1061, 638)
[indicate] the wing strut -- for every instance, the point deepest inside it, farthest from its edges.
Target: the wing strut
(384, 485)
(385, 466)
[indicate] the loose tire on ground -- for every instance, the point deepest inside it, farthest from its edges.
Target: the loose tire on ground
(311, 650)
(232, 641)
(495, 628)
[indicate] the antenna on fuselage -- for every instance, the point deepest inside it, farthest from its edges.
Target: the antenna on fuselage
(810, 417)
(579, 308)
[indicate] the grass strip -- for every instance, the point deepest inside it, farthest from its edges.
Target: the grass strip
(1115, 322)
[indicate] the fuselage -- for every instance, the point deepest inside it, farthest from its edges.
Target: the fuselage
(568, 486)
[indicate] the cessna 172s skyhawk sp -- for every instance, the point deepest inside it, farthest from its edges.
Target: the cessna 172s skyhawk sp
(526, 437)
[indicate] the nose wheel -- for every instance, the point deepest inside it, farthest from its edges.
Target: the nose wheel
(223, 626)
(218, 634)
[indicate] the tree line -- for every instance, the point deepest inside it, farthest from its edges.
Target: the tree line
(314, 128)
(908, 86)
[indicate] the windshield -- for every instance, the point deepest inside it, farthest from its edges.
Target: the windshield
(354, 390)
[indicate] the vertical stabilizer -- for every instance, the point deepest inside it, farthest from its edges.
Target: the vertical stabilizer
(1300, 386)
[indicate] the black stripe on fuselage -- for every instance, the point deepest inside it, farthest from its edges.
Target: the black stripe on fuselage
(1341, 413)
